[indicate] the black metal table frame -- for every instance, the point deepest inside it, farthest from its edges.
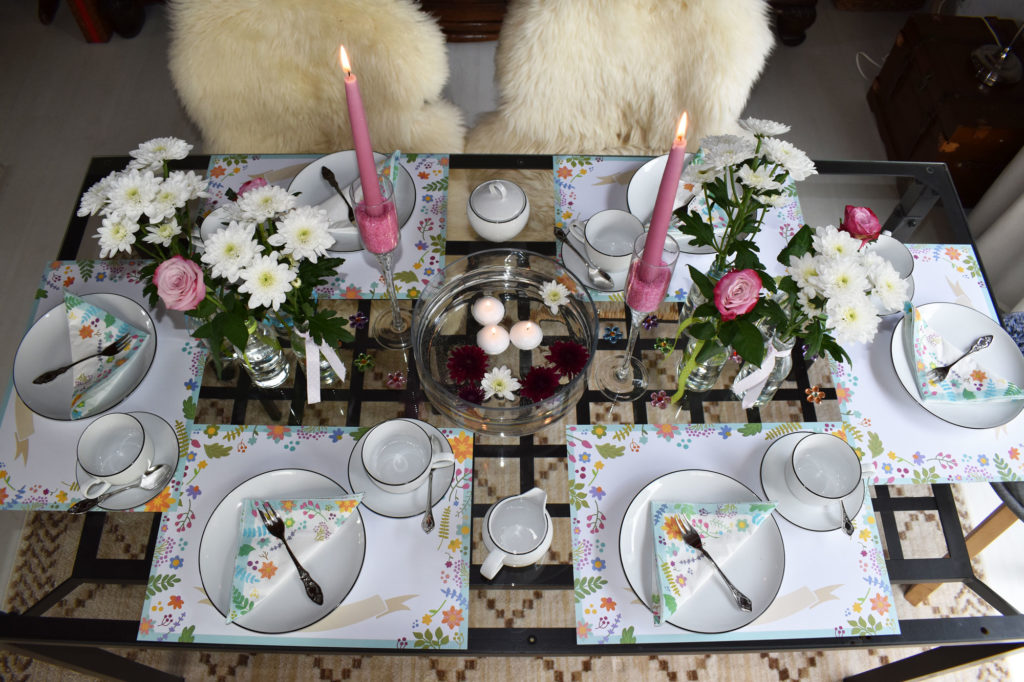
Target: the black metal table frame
(958, 641)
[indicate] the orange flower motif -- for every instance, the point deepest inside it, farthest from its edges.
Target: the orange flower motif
(842, 393)
(979, 376)
(424, 175)
(217, 172)
(564, 172)
(880, 603)
(176, 602)
(1014, 454)
(671, 529)
(347, 505)
(426, 619)
(3, 495)
(607, 603)
(462, 447)
(268, 569)
(582, 629)
(952, 253)
(353, 293)
(287, 505)
(68, 281)
(161, 502)
(452, 617)
(145, 625)
(277, 432)
(85, 332)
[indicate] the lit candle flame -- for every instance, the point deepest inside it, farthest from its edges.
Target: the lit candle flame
(343, 58)
(683, 123)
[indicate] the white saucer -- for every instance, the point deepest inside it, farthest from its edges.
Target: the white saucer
(46, 345)
(313, 190)
(402, 505)
(577, 266)
(166, 451)
(808, 517)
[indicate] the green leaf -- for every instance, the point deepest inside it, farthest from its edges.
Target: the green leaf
(407, 276)
(587, 586)
(188, 407)
(245, 549)
(703, 330)
(799, 244)
(161, 582)
(750, 429)
(216, 450)
(240, 602)
(627, 636)
(670, 604)
(874, 444)
(360, 432)
(187, 634)
(705, 285)
(748, 342)
(610, 451)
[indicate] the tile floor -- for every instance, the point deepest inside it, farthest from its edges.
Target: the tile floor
(65, 101)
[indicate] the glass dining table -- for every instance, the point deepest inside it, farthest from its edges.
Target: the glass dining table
(918, 204)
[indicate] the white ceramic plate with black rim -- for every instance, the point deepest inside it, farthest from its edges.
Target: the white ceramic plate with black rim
(335, 567)
(820, 518)
(756, 568)
(960, 326)
(399, 505)
(46, 346)
(313, 190)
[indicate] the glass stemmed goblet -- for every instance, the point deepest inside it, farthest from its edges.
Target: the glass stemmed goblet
(622, 377)
(378, 229)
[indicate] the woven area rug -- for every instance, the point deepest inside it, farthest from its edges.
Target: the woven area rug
(43, 561)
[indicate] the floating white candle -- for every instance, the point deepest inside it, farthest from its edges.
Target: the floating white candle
(488, 310)
(492, 339)
(526, 335)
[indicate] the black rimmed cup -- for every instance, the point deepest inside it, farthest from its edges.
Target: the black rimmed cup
(113, 450)
(608, 237)
(398, 455)
(822, 470)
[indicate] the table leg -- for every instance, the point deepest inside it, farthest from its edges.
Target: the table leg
(91, 661)
(943, 659)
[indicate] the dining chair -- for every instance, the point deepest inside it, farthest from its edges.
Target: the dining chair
(263, 75)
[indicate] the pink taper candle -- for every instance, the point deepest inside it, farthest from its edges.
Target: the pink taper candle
(666, 197)
(360, 136)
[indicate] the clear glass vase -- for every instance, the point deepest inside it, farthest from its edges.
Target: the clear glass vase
(262, 356)
(327, 374)
(695, 298)
(781, 353)
(704, 374)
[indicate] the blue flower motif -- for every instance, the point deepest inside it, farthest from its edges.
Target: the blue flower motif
(191, 455)
(585, 457)
(887, 467)
(428, 197)
(191, 385)
(177, 562)
(982, 460)
(599, 564)
(612, 334)
(597, 492)
(193, 491)
(336, 435)
(421, 245)
(918, 458)
(725, 432)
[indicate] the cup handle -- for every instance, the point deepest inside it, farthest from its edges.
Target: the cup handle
(439, 456)
(96, 487)
(576, 228)
(492, 564)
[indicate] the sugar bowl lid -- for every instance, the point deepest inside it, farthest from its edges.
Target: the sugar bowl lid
(498, 201)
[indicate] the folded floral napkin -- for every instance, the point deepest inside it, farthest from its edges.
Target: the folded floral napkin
(90, 330)
(262, 562)
(968, 380)
(723, 528)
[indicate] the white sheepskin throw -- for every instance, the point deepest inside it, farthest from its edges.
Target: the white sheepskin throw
(613, 76)
(262, 76)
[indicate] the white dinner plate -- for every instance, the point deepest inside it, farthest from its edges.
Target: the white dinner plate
(806, 516)
(47, 345)
(577, 266)
(335, 567)
(642, 192)
(756, 568)
(165, 452)
(313, 190)
(960, 326)
(402, 505)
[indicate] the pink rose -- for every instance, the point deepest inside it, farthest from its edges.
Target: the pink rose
(255, 183)
(736, 293)
(862, 223)
(179, 282)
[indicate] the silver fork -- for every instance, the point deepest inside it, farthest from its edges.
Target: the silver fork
(275, 525)
(940, 373)
(692, 538)
(111, 350)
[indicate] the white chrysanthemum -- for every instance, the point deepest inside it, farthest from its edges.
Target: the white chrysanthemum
(263, 203)
(230, 250)
(727, 150)
(267, 282)
(499, 382)
(888, 288)
(798, 164)
(761, 126)
(854, 319)
(807, 299)
(832, 242)
(758, 178)
(772, 200)
(131, 193)
(303, 233)
(701, 174)
(841, 278)
(554, 294)
(163, 233)
(116, 233)
(804, 270)
(152, 154)
(191, 183)
(96, 197)
(169, 197)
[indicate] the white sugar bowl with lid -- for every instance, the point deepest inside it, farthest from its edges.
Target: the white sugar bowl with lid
(498, 210)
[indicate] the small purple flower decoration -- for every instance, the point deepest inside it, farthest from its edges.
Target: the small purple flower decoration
(650, 322)
(359, 320)
(659, 399)
(597, 492)
(612, 334)
(193, 491)
(396, 380)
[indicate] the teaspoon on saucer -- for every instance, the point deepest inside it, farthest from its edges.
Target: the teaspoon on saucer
(150, 480)
(598, 277)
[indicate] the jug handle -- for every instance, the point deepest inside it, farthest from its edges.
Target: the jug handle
(492, 564)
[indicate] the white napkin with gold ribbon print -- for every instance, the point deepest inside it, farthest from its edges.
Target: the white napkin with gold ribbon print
(723, 528)
(90, 330)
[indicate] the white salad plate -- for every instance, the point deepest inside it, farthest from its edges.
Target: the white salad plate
(960, 326)
(165, 451)
(312, 189)
(47, 345)
(335, 566)
(399, 505)
(756, 568)
(807, 516)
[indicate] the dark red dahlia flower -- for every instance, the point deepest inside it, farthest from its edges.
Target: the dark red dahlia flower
(539, 383)
(568, 357)
(467, 364)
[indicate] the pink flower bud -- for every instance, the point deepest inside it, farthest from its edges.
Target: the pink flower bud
(252, 184)
(862, 223)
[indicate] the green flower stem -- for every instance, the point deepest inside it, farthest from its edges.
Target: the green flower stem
(684, 373)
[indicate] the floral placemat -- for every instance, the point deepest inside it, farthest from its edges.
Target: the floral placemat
(585, 185)
(903, 442)
(412, 591)
(833, 585)
(37, 459)
(420, 252)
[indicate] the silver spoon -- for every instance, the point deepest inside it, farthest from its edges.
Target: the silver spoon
(427, 524)
(598, 277)
(847, 523)
(150, 480)
(328, 175)
(940, 373)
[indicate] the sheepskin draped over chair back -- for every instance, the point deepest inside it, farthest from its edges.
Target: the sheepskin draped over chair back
(263, 75)
(613, 76)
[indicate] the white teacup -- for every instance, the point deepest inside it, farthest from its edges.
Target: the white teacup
(517, 532)
(608, 237)
(398, 455)
(822, 470)
(894, 251)
(113, 450)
